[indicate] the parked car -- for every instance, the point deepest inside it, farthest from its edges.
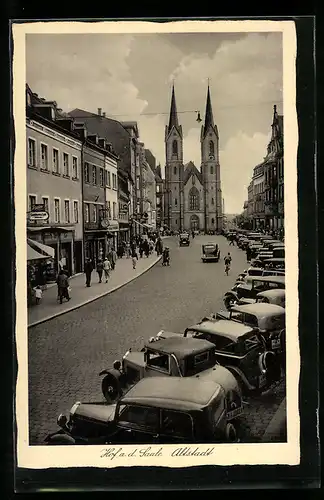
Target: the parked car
(210, 252)
(175, 356)
(251, 287)
(177, 410)
(184, 239)
(252, 272)
(275, 264)
(270, 319)
(276, 296)
(239, 348)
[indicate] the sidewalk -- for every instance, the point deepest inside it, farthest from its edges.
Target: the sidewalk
(80, 294)
(276, 430)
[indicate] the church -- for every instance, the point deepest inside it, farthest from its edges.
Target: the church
(193, 197)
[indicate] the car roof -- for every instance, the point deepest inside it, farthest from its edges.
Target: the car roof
(275, 292)
(275, 259)
(260, 309)
(173, 392)
(223, 327)
(270, 279)
(180, 346)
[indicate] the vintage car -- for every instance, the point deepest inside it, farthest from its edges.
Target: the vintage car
(175, 356)
(278, 252)
(177, 410)
(251, 286)
(276, 263)
(276, 296)
(259, 271)
(210, 252)
(270, 319)
(239, 348)
(184, 239)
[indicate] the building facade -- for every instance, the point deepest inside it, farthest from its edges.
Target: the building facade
(193, 198)
(147, 192)
(54, 184)
(258, 197)
(159, 198)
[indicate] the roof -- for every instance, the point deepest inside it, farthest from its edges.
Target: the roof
(223, 327)
(175, 392)
(189, 170)
(260, 310)
(180, 346)
(272, 293)
(173, 119)
(271, 279)
(209, 119)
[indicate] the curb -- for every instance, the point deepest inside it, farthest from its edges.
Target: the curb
(277, 424)
(77, 306)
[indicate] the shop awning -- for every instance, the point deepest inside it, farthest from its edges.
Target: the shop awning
(33, 255)
(44, 248)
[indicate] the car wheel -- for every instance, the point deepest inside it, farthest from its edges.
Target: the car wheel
(61, 439)
(110, 388)
(231, 433)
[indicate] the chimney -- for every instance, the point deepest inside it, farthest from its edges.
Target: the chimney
(93, 138)
(102, 143)
(104, 114)
(99, 111)
(80, 129)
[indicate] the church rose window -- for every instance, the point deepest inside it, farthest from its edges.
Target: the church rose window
(193, 199)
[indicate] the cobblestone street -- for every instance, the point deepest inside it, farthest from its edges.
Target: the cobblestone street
(67, 353)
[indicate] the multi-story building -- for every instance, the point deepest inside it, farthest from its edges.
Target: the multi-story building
(159, 197)
(54, 155)
(124, 187)
(146, 195)
(100, 201)
(193, 197)
(274, 176)
(250, 203)
(258, 196)
(124, 138)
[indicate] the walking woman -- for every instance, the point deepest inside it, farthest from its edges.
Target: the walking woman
(100, 270)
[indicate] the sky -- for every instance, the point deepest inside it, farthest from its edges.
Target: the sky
(130, 77)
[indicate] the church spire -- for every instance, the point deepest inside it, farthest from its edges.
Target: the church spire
(209, 120)
(173, 120)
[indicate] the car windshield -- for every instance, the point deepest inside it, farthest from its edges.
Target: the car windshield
(157, 360)
(139, 417)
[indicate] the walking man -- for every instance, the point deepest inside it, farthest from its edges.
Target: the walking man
(106, 268)
(100, 270)
(88, 268)
(134, 257)
(63, 286)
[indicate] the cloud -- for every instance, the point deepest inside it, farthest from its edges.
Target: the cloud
(129, 77)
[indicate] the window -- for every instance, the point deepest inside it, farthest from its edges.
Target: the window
(101, 177)
(157, 188)
(86, 212)
(56, 166)
(178, 424)
(158, 361)
(76, 211)
(176, 201)
(108, 179)
(175, 170)
(114, 181)
(67, 210)
(211, 170)
(213, 221)
(109, 209)
(193, 199)
(114, 210)
(74, 167)
(94, 174)
(86, 172)
(139, 417)
(175, 148)
(212, 201)
(211, 147)
(45, 203)
(66, 169)
(56, 210)
(31, 152)
(32, 201)
(44, 157)
(193, 180)
(94, 213)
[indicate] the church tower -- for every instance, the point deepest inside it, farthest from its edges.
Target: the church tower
(210, 170)
(174, 169)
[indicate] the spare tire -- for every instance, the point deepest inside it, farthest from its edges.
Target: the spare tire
(111, 388)
(270, 362)
(229, 301)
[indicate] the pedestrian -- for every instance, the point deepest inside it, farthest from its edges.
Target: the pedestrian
(106, 268)
(146, 248)
(88, 268)
(113, 258)
(38, 294)
(227, 260)
(134, 258)
(128, 250)
(141, 248)
(63, 286)
(100, 270)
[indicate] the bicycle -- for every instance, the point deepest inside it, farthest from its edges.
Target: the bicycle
(227, 268)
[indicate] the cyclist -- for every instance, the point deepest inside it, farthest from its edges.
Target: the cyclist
(227, 260)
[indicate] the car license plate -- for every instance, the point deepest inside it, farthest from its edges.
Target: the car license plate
(234, 413)
(275, 344)
(262, 379)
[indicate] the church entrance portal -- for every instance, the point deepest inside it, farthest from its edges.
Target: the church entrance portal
(194, 223)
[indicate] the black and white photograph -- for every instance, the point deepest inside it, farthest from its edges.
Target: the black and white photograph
(156, 194)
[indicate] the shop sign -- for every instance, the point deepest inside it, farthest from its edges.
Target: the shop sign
(35, 216)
